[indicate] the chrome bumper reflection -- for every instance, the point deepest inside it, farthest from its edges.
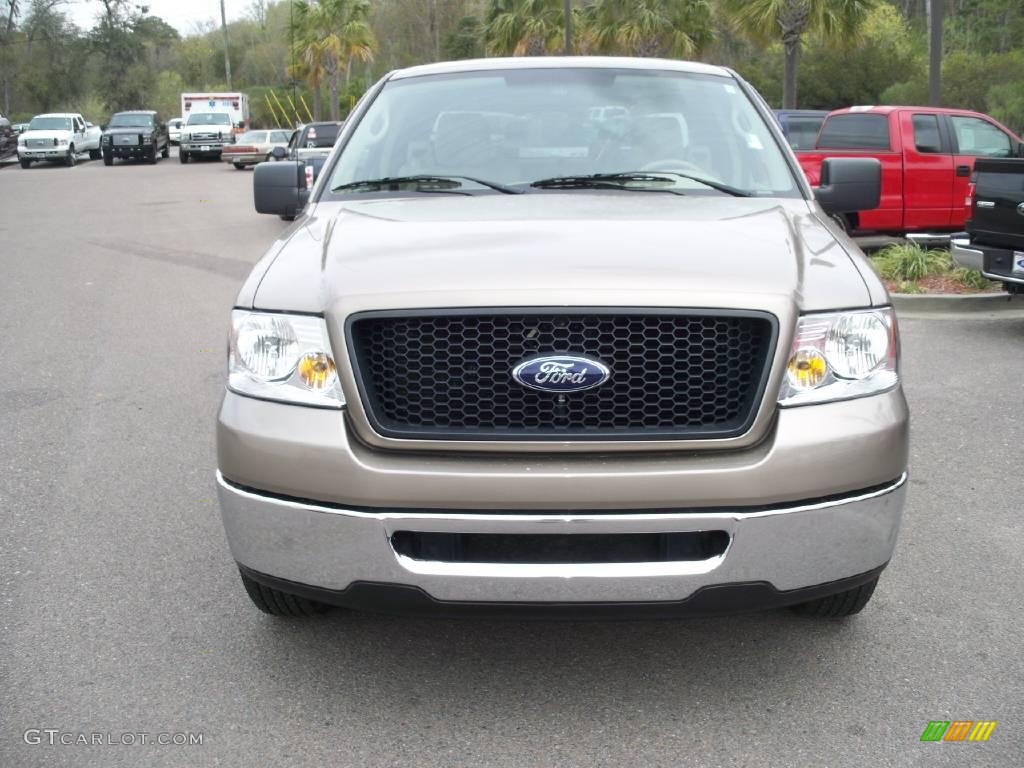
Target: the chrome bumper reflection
(790, 547)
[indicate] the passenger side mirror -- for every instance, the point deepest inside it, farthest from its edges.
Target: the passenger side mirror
(849, 184)
(280, 188)
(1019, 149)
(278, 153)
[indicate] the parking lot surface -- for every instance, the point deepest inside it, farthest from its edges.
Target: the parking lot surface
(123, 612)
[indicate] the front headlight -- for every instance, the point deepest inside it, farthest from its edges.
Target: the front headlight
(281, 357)
(841, 355)
(62, 142)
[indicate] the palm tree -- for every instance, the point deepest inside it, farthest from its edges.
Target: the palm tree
(330, 34)
(676, 28)
(524, 27)
(789, 20)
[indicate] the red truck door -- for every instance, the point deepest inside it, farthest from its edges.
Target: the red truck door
(973, 137)
(928, 172)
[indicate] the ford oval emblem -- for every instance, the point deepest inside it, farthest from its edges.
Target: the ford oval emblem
(561, 373)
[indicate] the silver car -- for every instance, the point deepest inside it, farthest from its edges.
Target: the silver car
(255, 146)
(515, 357)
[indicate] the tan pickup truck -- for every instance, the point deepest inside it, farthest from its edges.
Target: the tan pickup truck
(562, 337)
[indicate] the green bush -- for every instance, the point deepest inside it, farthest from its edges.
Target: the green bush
(910, 262)
(971, 278)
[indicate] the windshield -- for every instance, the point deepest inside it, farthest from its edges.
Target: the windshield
(516, 127)
(50, 124)
(209, 118)
(131, 121)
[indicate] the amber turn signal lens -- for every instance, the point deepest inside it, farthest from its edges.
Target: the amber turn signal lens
(807, 368)
(317, 371)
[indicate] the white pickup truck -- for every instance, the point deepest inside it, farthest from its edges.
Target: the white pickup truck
(58, 136)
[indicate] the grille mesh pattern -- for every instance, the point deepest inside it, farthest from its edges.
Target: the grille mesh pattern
(449, 376)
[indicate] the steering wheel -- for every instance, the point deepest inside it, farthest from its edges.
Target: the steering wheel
(683, 166)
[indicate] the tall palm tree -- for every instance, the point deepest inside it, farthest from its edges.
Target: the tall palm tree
(524, 27)
(676, 28)
(768, 21)
(330, 34)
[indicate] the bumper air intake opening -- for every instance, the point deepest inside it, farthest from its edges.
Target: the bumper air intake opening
(549, 549)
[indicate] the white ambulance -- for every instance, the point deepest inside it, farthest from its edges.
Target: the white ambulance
(236, 105)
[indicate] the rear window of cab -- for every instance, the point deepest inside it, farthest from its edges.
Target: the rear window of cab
(852, 131)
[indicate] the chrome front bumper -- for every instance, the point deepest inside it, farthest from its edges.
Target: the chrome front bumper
(788, 546)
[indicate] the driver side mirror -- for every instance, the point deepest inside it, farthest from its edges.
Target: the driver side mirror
(280, 188)
(849, 184)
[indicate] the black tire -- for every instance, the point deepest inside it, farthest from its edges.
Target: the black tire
(287, 218)
(166, 151)
(182, 157)
(26, 164)
(95, 154)
(69, 161)
(151, 157)
(239, 166)
(108, 158)
(840, 604)
(277, 603)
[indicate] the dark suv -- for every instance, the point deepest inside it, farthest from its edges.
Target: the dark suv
(135, 135)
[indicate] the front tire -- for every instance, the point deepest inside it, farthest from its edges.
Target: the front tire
(166, 151)
(239, 166)
(95, 154)
(108, 158)
(276, 603)
(69, 161)
(26, 164)
(182, 157)
(151, 158)
(841, 604)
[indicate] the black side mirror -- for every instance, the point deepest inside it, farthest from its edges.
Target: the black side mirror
(278, 153)
(1019, 150)
(280, 188)
(849, 184)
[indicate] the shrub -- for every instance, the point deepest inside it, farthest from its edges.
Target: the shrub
(910, 262)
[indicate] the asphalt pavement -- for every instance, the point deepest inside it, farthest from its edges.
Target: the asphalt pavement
(122, 612)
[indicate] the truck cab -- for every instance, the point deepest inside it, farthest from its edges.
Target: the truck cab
(927, 156)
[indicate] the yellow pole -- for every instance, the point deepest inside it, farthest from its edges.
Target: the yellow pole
(272, 112)
(298, 117)
(308, 113)
(280, 105)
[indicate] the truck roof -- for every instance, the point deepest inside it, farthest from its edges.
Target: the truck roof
(60, 114)
(559, 62)
(889, 109)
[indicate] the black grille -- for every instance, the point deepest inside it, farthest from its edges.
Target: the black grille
(448, 375)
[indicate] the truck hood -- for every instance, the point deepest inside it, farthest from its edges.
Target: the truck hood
(46, 134)
(596, 249)
(125, 129)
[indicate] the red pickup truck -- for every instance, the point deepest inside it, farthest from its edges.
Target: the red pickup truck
(927, 157)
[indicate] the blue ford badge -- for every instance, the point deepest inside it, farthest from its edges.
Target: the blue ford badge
(561, 373)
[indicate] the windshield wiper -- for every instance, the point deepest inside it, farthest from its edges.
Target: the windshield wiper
(618, 180)
(453, 183)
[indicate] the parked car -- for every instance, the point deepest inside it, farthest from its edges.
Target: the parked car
(255, 147)
(800, 126)
(60, 136)
(205, 134)
(174, 129)
(530, 371)
(136, 135)
(927, 156)
(19, 128)
(8, 142)
(994, 241)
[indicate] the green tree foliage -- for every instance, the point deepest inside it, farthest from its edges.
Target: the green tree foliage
(849, 51)
(674, 28)
(789, 21)
(329, 35)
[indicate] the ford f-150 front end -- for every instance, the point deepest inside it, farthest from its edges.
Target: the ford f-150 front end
(514, 356)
